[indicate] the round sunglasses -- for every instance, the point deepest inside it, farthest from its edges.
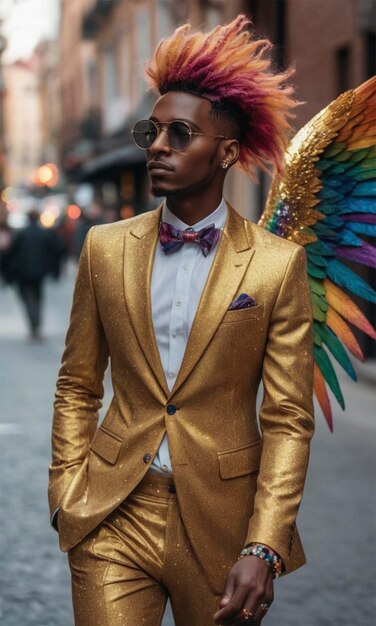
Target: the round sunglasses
(179, 134)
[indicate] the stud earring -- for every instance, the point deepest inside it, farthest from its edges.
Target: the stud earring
(224, 164)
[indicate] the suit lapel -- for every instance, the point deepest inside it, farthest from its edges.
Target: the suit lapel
(229, 266)
(140, 244)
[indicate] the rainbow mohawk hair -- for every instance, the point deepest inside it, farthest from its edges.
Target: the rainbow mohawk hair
(232, 70)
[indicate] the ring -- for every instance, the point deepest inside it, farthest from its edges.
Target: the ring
(265, 607)
(247, 614)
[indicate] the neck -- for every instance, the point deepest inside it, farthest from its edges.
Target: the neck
(193, 208)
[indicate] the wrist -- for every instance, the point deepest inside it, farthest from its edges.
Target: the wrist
(265, 553)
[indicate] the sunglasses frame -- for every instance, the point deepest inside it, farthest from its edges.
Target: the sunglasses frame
(160, 126)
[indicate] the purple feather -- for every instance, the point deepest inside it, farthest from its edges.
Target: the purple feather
(365, 218)
(366, 254)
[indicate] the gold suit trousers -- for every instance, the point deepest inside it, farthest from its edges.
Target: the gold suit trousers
(124, 571)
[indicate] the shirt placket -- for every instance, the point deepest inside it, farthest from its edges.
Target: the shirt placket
(179, 324)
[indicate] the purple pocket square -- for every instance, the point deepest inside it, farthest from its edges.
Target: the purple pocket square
(242, 302)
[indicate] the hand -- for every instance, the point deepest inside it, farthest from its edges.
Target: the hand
(249, 585)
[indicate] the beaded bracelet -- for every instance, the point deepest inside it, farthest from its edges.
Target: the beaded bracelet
(265, 553)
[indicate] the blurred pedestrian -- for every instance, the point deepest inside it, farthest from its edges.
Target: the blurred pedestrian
(6, 237)
(34, 254)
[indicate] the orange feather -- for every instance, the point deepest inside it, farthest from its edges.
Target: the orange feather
(343, 304)
(321, 394)
(339, 327)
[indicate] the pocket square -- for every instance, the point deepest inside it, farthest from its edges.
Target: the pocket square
(242, 302)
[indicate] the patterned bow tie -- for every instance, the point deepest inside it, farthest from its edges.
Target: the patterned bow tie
(173, 239)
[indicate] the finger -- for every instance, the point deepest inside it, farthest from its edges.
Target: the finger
(233, 606)
(228, 592)
(262, 610)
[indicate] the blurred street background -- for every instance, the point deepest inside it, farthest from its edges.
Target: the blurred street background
(71, 88)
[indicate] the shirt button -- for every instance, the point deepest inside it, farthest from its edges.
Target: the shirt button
(178, 303)
(171, 409)
(171, 374)
(173, 335)
(147, 458)
(185, 267)
(171, 489)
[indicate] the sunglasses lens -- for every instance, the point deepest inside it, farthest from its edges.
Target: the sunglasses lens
(179, 136)
(144, 133)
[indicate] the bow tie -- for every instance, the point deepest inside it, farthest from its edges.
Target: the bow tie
(173, 239)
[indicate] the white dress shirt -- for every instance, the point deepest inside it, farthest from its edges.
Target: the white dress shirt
(177, 282)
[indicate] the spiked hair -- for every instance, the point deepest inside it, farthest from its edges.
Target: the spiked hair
(233, 70)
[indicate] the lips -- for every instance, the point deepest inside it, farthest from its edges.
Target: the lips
(156, 167)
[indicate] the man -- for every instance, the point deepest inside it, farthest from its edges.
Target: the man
(34, 254)
(194, 305)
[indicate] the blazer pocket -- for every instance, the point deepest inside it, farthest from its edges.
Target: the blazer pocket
(242, 315)
(106, 444)
(240, 461)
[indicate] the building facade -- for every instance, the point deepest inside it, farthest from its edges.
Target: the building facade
(22, 121)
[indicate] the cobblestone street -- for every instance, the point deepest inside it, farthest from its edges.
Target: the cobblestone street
(337, 521)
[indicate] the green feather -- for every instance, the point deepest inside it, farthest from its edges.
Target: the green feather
(316, 338)
(336, 348)
(326, 368)
(334, 149)
(318, 313)
(317, 286)
(366, 175)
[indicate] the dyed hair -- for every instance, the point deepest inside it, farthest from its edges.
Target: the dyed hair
(233, 70)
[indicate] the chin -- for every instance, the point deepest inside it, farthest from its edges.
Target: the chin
(159, 192)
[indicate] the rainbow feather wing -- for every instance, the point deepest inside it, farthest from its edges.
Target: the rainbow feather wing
(326, 202)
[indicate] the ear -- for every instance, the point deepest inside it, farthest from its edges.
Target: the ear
(229, 152)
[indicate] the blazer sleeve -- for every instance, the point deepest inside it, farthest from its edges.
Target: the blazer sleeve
(79, 387)
(286, 413)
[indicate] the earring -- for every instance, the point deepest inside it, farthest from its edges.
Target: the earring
(224, 164)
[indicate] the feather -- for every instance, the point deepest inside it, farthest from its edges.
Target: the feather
(343, 304)
(366, 218)
(358, 205)
(366, 254)
(317, 286)
(343, 276)
(363, 229)
(318, 313)
(362, 190)
(337, 324)
(336, 348)
(322, 395)
(325, 201)
(329, 374)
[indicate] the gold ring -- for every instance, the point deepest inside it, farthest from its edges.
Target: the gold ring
(265, 607)
(247, 614)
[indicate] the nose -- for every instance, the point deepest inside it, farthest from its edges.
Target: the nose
(160, 143)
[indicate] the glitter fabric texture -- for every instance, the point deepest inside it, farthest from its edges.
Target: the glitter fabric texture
(121, 571)
(234, 484)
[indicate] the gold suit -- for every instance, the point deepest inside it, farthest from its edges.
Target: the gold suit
(233, 484)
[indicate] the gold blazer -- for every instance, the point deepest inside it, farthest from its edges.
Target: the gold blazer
(235, 482)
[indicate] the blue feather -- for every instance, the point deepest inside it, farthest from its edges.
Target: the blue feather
(362, 229)
(343, 276)
(348, 238)
(363, 190)
(357, 205)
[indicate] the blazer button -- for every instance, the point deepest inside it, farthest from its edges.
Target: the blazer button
(171, 409)
(147, 458)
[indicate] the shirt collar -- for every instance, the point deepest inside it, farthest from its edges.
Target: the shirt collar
(217, 217)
